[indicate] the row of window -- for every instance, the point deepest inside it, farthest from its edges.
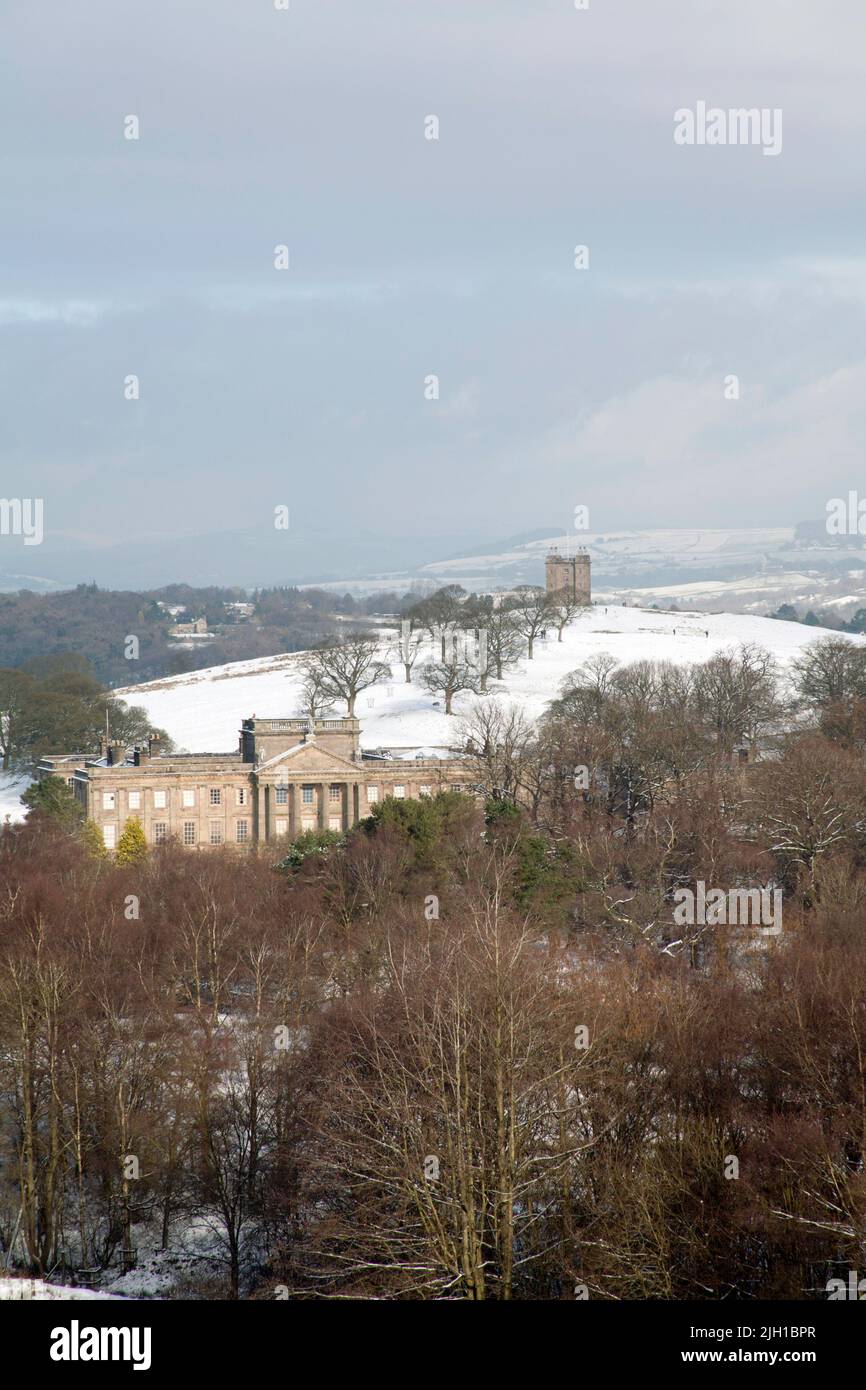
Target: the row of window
(189, 833)
(335, 792)
(281, 824)
(160, 798)
(188, 796)
(398, 792)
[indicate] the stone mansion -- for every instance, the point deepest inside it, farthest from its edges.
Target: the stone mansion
(288, 776)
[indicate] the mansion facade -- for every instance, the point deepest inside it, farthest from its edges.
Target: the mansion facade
(288, 776)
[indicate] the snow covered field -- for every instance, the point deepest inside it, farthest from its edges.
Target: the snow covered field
(202, 711)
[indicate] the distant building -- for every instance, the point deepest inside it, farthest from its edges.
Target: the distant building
(288, 776)
(569, 574)
(240, 612)
(197, 628)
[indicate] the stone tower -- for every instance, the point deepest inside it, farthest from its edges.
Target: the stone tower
(569, 574)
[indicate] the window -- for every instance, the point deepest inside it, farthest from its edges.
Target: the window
(135, 801)
(282, 795)
(216, 796)
(189, 832)
(307, 796)
(335, 822)
(242, 832)
(160, 833)
(108, 801)
(189, 796)
(108, 836)
(425, 790)
(242, 796)
(335, 791)
(216, 832)
(372, 794)
(159, 801)
(281, 826)
(399, 792)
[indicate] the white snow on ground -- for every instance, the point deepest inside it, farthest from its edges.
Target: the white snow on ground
(35, 1290)
(11, 788)
(202, 711)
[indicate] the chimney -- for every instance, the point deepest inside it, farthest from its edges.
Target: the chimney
(140, 755)
(154, 746)
(116, 752)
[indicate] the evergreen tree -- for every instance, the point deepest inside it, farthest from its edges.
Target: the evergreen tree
(786, 613)
(132, 846)
(92, 840)
(307, 843)
(50, 796)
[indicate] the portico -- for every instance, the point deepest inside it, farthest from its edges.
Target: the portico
(293, 806)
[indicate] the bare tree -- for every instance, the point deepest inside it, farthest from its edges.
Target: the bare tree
(829, 671)
(504, 642)
(584, 693)
(737, 694)
(808, 804)
(565, 609)
(343, 668)
(450, 677)
(315, 700)
(498, 739)
(410, 646)
(532, 612)
(440, 615)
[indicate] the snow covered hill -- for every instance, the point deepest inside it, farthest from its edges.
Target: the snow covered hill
(202, 711)
(628, 552)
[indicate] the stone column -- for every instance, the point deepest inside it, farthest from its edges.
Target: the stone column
(295, 819)
(259, 816)
(356, 803)
(323, 805)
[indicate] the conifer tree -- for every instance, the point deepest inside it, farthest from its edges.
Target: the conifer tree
(92, 840)
(132, 846)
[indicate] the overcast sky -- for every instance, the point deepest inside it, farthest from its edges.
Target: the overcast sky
(409, 257)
